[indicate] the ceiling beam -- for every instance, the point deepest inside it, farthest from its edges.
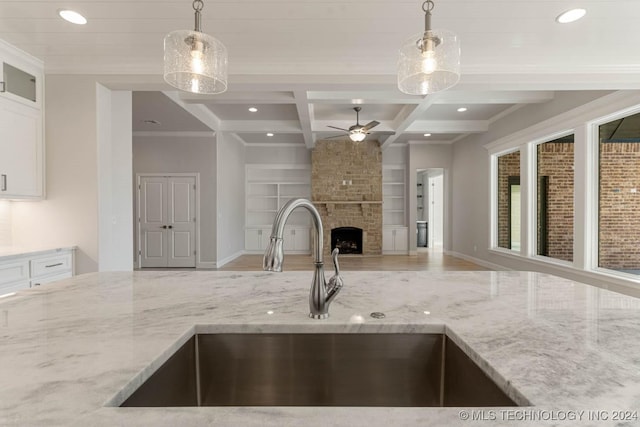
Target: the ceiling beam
(406, 117)
(260, 126)
(198, 111)
(494, 97)
(448, 126)
(249, 97)
(305, 115)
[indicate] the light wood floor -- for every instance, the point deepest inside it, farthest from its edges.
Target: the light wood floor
(433, 260)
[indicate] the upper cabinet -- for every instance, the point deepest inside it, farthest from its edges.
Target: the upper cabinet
(21, 125)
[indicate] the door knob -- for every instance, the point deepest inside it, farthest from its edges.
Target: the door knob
(164, 226)
(171, 226)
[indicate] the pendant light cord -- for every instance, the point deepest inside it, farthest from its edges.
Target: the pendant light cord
(197, 6)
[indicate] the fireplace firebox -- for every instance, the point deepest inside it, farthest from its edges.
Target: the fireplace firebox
(347, 239)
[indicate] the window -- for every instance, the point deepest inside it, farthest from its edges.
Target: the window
(619, 204)
(509, 201)
(554, 201)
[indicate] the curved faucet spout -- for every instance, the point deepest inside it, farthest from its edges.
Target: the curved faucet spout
(320, 296)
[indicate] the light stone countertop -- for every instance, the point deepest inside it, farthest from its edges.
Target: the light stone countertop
(68, 349)
(8, 253)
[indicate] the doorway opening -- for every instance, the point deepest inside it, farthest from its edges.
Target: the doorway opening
(430, 209)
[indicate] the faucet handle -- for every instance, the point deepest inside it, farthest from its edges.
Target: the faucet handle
(335, 283)
(334, 256)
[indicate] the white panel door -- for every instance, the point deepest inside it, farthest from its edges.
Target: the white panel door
(181, 222)
(167, 221)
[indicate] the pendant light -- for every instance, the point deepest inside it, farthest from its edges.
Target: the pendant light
(195, 61)
(429, 62)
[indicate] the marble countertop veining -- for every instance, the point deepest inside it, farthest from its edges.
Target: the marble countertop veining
(568, 349)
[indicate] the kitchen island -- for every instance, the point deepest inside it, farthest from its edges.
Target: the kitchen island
(73, 349)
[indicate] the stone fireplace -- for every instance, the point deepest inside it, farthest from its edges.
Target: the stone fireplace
(346, 188)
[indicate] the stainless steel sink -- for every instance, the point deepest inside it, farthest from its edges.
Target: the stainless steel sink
(319, 370)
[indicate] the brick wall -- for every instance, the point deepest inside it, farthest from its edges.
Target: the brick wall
(333, 162)
(555, 161)
(619, 208)
(508, 165)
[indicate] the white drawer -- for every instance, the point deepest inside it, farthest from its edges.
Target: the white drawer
(50, 279)
(14, 272)
(51, 265)
(13, 287)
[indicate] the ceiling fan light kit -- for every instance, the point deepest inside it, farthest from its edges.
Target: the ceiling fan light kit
(357, 132)
(429, 62)
(194, 61)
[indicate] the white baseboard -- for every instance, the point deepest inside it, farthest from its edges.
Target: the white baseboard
(478, 261)
(226, 260)
(206, 264)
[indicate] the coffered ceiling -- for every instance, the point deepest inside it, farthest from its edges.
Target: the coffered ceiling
(304, 64)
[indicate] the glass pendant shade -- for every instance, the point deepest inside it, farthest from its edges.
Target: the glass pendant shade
(429, 62)
(195, 62)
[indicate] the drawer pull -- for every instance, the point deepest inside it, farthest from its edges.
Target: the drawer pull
(53, 265)
(3, 182)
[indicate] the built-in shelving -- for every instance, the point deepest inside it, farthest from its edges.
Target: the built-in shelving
(393, 195)
(268, 188)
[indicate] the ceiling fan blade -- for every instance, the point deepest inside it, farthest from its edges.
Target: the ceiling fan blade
(336, 136)
(333, 127)
(370, 125)
(382, 132)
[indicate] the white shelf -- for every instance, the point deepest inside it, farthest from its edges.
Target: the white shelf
(393, 195)
(269, 187)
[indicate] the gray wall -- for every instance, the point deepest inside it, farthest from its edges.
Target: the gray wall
(471, 180)
(230, 205)
(187, 154)
(297, 155)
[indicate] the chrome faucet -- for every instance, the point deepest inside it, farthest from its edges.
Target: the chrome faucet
(322, 293)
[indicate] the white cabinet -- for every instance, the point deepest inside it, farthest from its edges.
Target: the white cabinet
(20, 150)
(14, 275)
(256, 239)
(21, 125)
(296, 240)
(22, 271)
(395, 240)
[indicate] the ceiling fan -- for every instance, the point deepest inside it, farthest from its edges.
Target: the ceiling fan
(357, 132)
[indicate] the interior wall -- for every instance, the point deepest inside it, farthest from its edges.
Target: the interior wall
(115, 218)
(69, 214)
(175, 154)
(231, 160)
(278, 155)
(471, 180)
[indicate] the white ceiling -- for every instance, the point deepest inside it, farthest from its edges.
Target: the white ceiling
(305, 63)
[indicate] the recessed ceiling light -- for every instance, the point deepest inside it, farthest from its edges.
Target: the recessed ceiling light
(427, 134)
(571, 16)
(462, 109)
(269, 134)
(72, 16)
(253, 109)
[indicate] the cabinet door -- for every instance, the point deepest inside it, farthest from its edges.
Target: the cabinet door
(387, 239)
(302, 240)
(401, 241)
(256, 239)
(20, 150)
